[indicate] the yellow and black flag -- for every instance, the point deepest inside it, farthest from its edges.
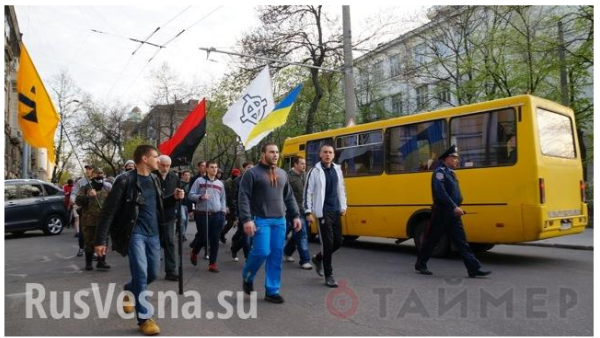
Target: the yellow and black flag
(37, 117)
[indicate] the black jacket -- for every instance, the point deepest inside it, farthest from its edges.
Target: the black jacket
(168, 185)
(120, 211)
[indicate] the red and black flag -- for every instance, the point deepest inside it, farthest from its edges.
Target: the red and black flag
(182, 145)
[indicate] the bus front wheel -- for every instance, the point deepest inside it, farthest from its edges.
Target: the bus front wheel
(443, 247)
(481, 247)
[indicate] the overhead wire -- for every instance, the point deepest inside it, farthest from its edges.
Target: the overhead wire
(168, 42)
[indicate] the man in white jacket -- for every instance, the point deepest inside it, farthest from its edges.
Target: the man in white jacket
(325, 197)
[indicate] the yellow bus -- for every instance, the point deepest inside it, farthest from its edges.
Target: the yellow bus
(520, 174)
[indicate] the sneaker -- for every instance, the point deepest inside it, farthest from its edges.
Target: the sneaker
(149, 327)
(422, 269)
(127, 306)
(306, 266)
(213, 267)
(330, 282)
(206, 257)
(80, 253)
(478, 273)
(276, 298)
(248, 287)
(194, 258)
(223, 239)
(289, 258)
(318, 265)
(236, 259)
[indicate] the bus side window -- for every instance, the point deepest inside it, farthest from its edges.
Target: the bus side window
(312, 151)
(415, 147)
(482, 138)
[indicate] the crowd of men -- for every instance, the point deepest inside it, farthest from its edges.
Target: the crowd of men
(138, 212)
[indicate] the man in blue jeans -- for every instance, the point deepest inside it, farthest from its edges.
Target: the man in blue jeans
(132, 213)
(298, 239)
(265, 197)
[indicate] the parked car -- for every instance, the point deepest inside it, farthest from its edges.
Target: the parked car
(33, 205)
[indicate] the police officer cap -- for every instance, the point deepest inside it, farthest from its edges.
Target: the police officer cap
(452, 151)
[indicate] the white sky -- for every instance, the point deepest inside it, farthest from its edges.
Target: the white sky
(60, 37)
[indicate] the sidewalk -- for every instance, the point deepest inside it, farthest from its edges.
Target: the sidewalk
(582, 241)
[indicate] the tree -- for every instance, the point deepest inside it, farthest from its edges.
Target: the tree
(66, 94)
(168, 89)
(100, 134)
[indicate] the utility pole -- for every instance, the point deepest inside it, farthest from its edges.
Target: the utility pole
(350, 99)
(564, 93)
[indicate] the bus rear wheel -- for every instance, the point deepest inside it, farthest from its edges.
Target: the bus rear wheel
(443, 247)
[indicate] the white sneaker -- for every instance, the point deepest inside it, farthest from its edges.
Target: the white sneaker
(289, 259)
(206, 257)
(306, 266)
(235, 259)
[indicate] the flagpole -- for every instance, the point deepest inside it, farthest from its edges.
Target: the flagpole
(206, 192)
(78, 161)
(179, 230)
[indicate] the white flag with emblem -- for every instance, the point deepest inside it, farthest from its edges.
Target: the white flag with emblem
(255, 104)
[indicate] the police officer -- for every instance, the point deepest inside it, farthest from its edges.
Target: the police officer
(446, 217)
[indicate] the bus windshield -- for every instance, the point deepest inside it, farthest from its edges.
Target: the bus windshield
(556, 134)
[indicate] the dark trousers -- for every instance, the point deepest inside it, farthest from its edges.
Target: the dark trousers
(240, 241)
(230, 221)
(80, 239)
(88, 233)
(330, 233)
(169, 246)
(215, 223)
(443, 222)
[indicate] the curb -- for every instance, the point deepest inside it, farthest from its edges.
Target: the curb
(560, 246)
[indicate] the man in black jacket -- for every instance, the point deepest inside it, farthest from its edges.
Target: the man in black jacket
(168, 182)
(132, 213)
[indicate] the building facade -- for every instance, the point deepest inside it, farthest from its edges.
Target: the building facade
(468, 54)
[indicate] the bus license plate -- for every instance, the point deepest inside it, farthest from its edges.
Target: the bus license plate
(566, 224)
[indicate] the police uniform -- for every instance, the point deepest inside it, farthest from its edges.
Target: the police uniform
(446, 197)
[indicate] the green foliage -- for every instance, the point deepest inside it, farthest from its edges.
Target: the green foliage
(130, 145)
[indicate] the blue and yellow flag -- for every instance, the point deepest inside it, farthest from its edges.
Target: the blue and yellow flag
(276, 118)
(37, 117)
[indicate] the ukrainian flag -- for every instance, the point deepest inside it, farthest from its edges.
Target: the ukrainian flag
(277, 117)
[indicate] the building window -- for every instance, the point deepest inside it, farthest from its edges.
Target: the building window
(363, 78)
(442, 94)
(397, 105)
(420, 50)
(485, 139)
(422, 97)
(377, 72)
(360, 154)
(415, 147)
(395, 65)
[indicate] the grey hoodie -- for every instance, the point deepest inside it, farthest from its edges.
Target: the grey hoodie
(259, 198)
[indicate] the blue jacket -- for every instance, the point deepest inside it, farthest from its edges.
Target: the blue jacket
(445, 189)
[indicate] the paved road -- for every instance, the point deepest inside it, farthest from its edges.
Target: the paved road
(533, 291)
